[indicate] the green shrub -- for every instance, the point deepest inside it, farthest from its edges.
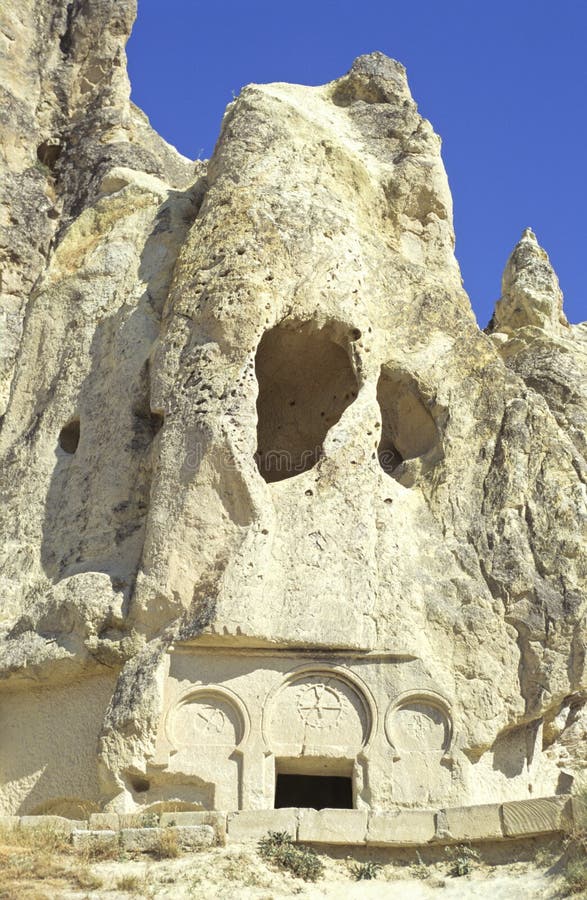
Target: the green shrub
(366, 871)
(462, 860)
(576, 875)
(278, 848)
(149, 820)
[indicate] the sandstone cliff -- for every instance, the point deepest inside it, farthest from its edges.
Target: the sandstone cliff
(249, 412)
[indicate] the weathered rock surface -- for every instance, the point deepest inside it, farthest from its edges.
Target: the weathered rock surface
(261, 470)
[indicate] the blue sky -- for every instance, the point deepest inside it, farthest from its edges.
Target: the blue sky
(503, 83)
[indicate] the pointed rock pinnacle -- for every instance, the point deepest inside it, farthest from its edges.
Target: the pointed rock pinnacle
(530, 292)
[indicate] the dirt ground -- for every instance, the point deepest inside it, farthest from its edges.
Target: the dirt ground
(239, 873)
(46, 867)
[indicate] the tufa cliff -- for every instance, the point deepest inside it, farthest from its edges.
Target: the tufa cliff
(272, 505)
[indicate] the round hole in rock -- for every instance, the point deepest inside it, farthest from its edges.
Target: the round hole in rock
(69, 436)
(306, 381)
(140, 785)
(48, 153)
(408, 430)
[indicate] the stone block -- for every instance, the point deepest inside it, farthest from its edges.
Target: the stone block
(333, 826)
(191, 837)
(140, 840)
(9, 822)
(540, 816)
(53, 823)
(216, 819)
(577, 812)
(138, 820)
(253, 824)
(95, 840)
(474, 823)
(408, 826)
(108, 821)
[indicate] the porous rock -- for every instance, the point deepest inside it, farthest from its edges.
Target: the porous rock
(274, 508)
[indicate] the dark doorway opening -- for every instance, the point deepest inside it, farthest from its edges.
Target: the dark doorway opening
(314, 792)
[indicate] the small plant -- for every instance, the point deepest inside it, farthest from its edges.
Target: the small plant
(575, 866)
(462, 860)
(366, 871)
(149, 820)
(132, 884)
(278, 848)
(420, 869)
(88, 880)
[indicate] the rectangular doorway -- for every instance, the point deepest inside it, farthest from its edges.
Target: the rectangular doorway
(313, 791)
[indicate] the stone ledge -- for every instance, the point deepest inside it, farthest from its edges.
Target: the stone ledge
(253, 824)
(53, 823)
(103, 839)
(145, 840)
(108, 821)
(470, 823)
(333, 826)
(393, 828)
(541, 816)
(217, 820)
(411, 826)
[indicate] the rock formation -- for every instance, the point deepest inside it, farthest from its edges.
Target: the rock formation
(274, 509)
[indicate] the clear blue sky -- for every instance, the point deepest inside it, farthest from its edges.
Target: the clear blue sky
(503, 83)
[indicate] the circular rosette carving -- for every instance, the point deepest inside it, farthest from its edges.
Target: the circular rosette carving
(316, 712)
(419, 724)
(207, 718)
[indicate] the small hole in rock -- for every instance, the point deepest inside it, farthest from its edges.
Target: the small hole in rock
(69, 436)
(48, 153)
(156, 422)
(140, 785)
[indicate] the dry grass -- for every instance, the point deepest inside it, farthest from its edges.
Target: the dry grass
(39, 864)
(575, 861)
(133, 884)
(167, 846)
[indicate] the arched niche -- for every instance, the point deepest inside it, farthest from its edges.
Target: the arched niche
(205, 718)
(306, 381)
(420, 723)
(319, 711)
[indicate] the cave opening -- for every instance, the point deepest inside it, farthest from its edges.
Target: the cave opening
(306, 381)
(69, 436)
(407, 429)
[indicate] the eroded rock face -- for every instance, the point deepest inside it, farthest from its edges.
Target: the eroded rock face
(273, 505)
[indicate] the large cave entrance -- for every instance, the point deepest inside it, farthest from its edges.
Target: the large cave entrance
(313, 791)
(306, 381)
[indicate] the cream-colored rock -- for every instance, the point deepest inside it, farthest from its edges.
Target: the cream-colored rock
(412, 826)
(333, 826)
(474, 823)
(93, 841)
(251, 825)
(280, 525)
(540, 816)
